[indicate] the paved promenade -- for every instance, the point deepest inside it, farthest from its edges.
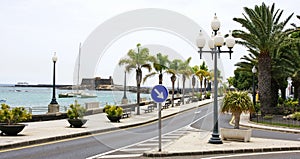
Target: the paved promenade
(194, 143)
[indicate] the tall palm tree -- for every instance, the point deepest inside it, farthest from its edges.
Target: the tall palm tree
(186, 71)
(173, 70)
(264, 34)
(206, 75)
(160, 64)
(195, 71)
(137, 60)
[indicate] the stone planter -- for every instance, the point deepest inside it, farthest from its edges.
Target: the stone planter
(77, 123)
(11, 130)
(236, 134)
(114, 119)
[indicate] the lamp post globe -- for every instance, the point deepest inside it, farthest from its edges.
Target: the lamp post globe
(53, 107)
(254, 70)
(215, 43)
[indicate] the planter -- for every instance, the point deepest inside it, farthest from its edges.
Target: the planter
(114, 119)
(236, 134)
(77, 123)
(11, 130)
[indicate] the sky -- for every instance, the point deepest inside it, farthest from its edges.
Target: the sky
(32, 30)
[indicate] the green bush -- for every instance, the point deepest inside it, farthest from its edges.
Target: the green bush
(199, 96)
(268, 117)
(296, 116)
(207, 95)
(14, 115)
(76, 111)
(113, 111)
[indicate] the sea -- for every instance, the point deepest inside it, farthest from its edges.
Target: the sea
(37, 99)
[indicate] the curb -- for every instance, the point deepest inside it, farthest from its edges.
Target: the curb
(56, 138)
(279, 129)
(167, 154)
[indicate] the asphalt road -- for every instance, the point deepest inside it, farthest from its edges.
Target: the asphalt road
(86, 146)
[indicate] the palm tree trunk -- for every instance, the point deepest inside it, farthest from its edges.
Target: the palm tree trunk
(201, 89)
(193, 85)
(237, 117)
(205, 85)
(138, 87)
(160, 77)
(264, 82)
(183, 88)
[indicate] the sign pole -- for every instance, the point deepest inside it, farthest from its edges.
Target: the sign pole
(159, 127)
(159, 94)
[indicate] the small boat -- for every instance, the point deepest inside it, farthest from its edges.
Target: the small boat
(2, 100)
(87, 95)
(66, 95)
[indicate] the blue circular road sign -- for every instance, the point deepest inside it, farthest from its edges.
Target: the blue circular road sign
(159, 93)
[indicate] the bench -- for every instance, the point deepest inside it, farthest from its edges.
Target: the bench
(148, 109)
(152, 106)
(178, 103)
(126, 113)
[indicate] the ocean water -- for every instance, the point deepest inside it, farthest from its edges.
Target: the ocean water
(39, 98)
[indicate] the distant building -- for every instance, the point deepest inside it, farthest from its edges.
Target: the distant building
(98, 83)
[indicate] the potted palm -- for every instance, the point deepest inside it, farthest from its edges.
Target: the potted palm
(237, 102)
(75, 115)
(114, 113)
(10, 117)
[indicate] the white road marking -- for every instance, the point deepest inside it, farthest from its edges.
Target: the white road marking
(151, 139)
(136, 149)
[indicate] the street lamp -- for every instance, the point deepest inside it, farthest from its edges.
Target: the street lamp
(124, 99)
(289, 80)
(215, 44)
(53, 107)
(254, 70)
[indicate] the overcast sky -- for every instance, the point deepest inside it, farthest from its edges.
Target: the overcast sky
(32, 30)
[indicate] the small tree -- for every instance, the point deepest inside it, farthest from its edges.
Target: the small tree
(12, 116)
(237, 102)
(76, 111)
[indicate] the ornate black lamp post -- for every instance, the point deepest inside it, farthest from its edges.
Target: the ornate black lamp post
(124, 99)
(253, 91)
(254, 70)
(53, 107)
(215, 44)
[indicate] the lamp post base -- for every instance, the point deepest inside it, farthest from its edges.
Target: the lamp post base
(53, 108)
(124, 101)
(215, 139)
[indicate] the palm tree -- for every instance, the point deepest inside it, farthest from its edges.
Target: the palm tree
(137, 60)
(237, 103)
(173, 70)
(206, 76)
(186, 71)
(264, 36)
(160, 64)
(195, 71)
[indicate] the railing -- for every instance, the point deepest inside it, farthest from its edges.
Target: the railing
(276, 120)
(43, 109)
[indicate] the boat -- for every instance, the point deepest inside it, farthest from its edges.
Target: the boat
(66, 95)
(2, 100)
(87, 95)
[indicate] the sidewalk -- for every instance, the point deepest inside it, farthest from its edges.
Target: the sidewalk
(45, 131)
(194, 143)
